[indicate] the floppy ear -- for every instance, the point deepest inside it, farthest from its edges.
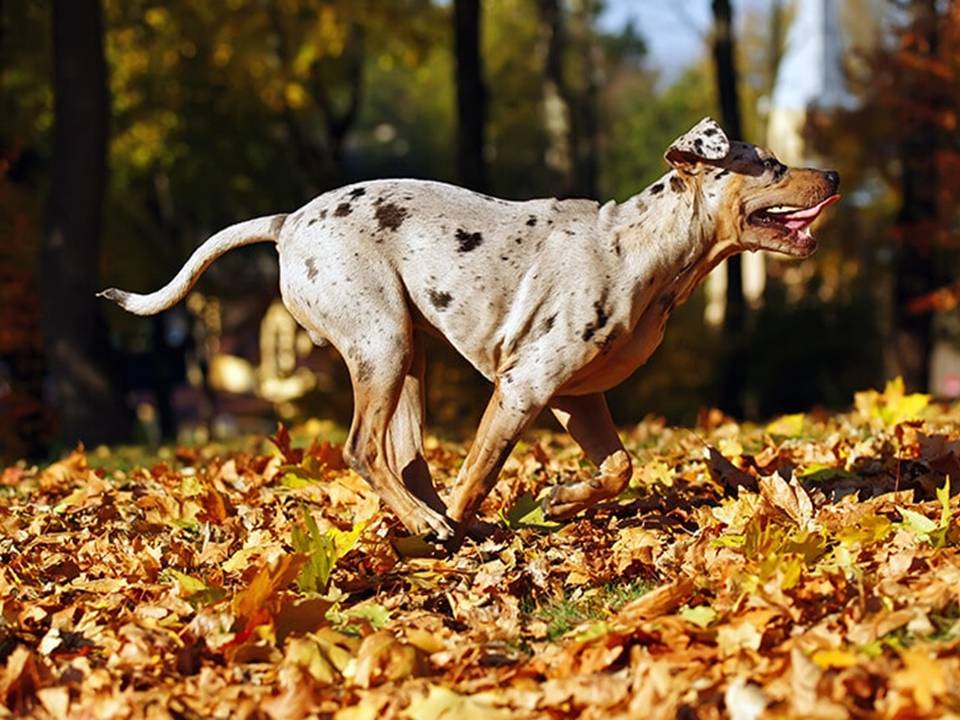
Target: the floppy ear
(704, 141)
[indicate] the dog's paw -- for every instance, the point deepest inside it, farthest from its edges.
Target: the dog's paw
(429, 523)
(557, 505)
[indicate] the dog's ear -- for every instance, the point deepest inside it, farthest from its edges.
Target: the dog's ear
(704, 141)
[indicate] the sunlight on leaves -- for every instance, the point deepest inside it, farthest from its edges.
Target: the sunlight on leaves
(443, 704)
(893, 405)
(787, 425)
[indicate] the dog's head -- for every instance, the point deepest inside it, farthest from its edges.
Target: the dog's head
(760, 203)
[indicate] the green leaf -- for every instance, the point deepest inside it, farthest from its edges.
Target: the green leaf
(943, 495)
(701, 615)
(919, 525)
(190, 486)
(322, 550)
(293, 481)
(528, 513)
(196, 592)
(374, 613)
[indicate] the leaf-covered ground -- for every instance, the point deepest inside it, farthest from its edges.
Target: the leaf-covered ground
(809, 568)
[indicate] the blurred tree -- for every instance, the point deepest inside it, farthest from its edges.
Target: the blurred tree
(557, 97)
(901, 167)
(89, 394)
(471, 95)
(591, 71)
(724, 54)
(24, 64)
(920, 144)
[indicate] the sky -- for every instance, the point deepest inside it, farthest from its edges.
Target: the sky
(675, 30)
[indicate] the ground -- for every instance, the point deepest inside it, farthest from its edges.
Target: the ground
(805, 568)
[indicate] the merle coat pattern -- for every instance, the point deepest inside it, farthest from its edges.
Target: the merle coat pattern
(553, 301)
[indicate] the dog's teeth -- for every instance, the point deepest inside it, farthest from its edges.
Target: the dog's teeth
(783, 209)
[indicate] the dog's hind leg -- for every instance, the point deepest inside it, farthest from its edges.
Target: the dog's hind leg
(379, 367)
(405, 434)
(587, 419)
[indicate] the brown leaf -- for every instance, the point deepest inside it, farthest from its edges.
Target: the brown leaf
(382, 658)
(790, 498)
(663, 600)
(727, 474)
(270, 579)
(20, 681)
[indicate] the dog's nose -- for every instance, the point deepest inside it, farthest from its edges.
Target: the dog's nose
(834, 177)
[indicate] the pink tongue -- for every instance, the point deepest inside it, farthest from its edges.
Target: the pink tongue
(802, 218)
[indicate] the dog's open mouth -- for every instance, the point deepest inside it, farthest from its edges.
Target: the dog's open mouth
(790, 219)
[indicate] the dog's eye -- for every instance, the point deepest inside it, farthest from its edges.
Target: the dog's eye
(775, 166)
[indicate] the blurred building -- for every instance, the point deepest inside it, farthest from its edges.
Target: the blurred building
(810, 78)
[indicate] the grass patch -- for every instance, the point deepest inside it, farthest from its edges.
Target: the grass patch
(564, 613)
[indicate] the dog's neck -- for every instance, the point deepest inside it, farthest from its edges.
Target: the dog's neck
(683, 223)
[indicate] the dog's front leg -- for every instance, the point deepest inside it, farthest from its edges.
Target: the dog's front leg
(587, 419)
(507, 415)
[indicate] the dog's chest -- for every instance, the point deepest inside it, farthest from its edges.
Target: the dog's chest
(623, 354)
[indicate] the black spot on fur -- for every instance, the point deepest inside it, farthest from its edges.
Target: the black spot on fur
(364, 371)
(608, 342)
(676, 184)
(548, 324)
(616, 245)
(343, 209)
(710, 132)
(468, 241)
(518, 240)
(390, 216)
(357, 192)
(569, 232)
(312, 222)
(532, 220)
(656, 189)
(323, 214)
(311, 269)
(698, 144)
(440, 300)
(600, 321)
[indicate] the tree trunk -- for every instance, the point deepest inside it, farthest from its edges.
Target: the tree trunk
(340, 121)
(586, 123)
(916, 271)
(724, 58)
(85, 380)
(557, 101)
(471, 94)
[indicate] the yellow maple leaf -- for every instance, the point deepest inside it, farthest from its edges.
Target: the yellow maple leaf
(922, 675)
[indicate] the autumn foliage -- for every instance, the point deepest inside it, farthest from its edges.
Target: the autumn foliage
(807, 568)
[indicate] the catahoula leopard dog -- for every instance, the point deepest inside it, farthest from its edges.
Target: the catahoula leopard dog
(553, 301)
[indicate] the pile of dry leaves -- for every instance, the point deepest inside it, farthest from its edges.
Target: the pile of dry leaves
(809, 568)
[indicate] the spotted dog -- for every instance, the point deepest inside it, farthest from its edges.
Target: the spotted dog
(553, 301)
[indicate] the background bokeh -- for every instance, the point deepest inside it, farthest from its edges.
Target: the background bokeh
(130, 130)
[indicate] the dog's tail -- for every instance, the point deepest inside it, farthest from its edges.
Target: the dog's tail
(264, 229)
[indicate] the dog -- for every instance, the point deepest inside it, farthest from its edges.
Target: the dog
(553, 301)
